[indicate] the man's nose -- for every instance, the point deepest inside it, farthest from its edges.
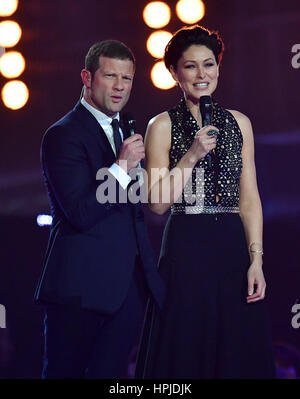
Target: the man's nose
(119, 84)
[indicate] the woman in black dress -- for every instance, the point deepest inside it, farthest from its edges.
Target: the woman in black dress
(214, 323)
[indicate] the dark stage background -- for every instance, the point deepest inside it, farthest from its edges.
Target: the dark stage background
(257, 78)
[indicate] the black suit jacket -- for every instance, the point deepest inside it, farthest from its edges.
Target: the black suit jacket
(92, 247)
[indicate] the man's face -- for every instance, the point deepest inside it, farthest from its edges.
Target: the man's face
(110, 88)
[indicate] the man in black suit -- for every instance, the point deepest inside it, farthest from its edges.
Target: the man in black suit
(99, 265)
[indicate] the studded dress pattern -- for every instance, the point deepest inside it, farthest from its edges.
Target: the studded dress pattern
(216, 189)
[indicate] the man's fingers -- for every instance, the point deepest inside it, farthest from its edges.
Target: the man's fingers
(133, 138)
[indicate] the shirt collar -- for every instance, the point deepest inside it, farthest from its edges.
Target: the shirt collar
(100, 116)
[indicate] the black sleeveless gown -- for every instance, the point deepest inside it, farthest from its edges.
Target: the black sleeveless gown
(206, 329)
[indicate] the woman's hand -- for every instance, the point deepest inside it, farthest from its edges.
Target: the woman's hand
(205, 141)
(256, 278)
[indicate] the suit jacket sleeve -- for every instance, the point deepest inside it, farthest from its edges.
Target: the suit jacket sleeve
(70, 178)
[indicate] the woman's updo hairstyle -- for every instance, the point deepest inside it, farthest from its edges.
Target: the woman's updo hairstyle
(186, 37)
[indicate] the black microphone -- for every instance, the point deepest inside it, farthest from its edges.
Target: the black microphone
(206, 111)
(130, 123)
(130, 126)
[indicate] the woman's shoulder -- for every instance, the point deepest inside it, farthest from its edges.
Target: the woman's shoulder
(161, 120)
(239, 116)
(243, 122)
(159, 131)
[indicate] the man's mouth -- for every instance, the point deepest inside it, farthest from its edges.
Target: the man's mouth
(116, 99)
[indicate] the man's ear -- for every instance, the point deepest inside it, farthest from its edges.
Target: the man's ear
(86, 78)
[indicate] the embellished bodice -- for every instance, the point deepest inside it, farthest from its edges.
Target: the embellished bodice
(214, 188)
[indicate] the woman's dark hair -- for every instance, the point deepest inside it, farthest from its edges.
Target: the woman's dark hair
(186, 37)
(107, 48)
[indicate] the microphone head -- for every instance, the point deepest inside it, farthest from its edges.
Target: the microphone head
(205, 102)
(129, 121)
(205, 106)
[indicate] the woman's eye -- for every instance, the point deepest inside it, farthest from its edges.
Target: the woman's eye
(189, 66)
(209, 65)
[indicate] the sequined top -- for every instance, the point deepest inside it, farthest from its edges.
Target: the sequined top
(212, 189)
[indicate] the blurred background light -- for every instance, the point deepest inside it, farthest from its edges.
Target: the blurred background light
(12, 64)
(10, 33)
(157, 14)
(157, 42)
(8, 7)
(15, 94)
(161, 77)
(190, 11)
(2, 50)
(44, 220)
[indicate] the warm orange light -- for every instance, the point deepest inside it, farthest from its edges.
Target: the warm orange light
(161, 77)
(157, 14)
(157, 42)
(15, 94)
(190, 11)
(10, 33)
(12, 64)
(8, 7)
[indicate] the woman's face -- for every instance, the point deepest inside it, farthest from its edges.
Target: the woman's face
(197, 72)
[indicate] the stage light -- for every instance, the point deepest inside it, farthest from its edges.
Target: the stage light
(157, 42)
(10, 33)
(12, 64)
(44, 220)
(190, 11)
(157, 14)
(15, 94)
(8, 7)
(161, 77)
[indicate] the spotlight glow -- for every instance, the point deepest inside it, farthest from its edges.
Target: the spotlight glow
(157, 14)
(161, 77)
(12, 64)
(10, 33)
(190, 11)
(8, 7)
(15, 94)
(157, 42)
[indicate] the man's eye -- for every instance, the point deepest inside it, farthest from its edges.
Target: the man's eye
(127, 78)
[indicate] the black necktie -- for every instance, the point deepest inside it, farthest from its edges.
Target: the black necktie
(117, 136)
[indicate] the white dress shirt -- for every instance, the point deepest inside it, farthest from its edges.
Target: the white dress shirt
(105, 122)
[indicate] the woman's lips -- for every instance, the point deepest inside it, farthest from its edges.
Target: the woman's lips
(201, 86)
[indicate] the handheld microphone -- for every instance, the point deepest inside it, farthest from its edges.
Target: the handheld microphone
(130, 123)
(205, 106)
(130, 126)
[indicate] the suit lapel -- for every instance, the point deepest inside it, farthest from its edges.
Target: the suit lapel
(93, 127)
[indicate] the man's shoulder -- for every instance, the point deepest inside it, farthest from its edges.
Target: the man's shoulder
(68, 124)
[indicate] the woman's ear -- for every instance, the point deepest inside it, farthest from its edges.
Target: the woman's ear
(173, 73)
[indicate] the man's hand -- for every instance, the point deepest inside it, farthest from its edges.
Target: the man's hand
(132, 152)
